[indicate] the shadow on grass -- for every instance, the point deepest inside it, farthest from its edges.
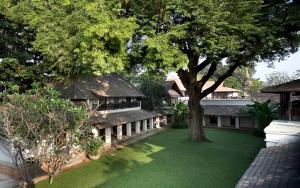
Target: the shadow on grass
(169, 159)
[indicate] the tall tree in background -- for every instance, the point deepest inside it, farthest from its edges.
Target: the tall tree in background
(278, 77)
(189, 36)
(20, 64)
(153, 88)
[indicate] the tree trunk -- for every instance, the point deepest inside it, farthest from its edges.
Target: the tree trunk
(51, 179)
(195, 119)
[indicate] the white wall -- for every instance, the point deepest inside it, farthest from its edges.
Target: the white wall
(238, 102)
(5, 154)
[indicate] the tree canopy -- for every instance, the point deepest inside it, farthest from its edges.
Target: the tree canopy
(19, 63)
(278, 77)
(75, 37)
(191, 36)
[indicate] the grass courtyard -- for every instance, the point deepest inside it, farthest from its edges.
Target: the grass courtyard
(168, 160)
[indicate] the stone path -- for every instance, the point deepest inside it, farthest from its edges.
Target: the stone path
(274, 167)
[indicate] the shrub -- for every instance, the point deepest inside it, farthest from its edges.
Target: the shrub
(180, 112)
(180, 125)
(93, 146)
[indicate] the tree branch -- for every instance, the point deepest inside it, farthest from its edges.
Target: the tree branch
(202, 65)
(227, 74)
(212, 69)
(184, 77)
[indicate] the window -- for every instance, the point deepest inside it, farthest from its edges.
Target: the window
(213, 120)
(102, 100)
(232, 121)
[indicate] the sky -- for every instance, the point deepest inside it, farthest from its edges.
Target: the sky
(289, 65)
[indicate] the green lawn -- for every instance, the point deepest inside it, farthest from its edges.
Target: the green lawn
(168, 159)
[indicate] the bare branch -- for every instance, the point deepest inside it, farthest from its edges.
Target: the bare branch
(227, 74)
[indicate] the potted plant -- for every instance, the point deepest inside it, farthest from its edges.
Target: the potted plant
(92, 148)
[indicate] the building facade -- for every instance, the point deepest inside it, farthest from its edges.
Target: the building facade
(287, 129)
(117, 104)
(227, 113)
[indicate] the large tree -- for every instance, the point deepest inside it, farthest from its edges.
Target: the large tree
(191, 36)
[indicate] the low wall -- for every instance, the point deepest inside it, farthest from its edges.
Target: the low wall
(281, 132)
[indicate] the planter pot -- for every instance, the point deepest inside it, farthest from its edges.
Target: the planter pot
(93, 157)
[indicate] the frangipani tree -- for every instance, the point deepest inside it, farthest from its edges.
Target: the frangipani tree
(44, 131)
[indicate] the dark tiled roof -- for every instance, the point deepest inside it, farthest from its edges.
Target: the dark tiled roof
(292, 86)
(225, 110)
(173, 93)
(91, 87)
(168, 84)
(120, 118)
(171, 87)
(261, 97)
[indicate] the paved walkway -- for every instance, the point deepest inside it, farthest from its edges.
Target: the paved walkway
(274, 167)
(7, 182)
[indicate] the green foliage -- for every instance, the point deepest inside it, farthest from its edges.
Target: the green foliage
(256, 86)
(17, 77)
(180, 112)
(17, 74)
(75, 36)
(263, 112)
(233, 82)
(43, 126)
(203, 35)
(151, 85)
(92, 147)
(278, 77)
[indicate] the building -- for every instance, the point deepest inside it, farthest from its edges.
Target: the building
(287, 129)
(227, 113)
(278, 164)
(175, 94)
(223, 108)
(117, 104)
(176, 90)
(221, 92)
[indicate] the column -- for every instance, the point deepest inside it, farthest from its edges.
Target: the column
(138, 127)
(157, 122)
(290, 104)
(151, 123)
(119, 132)
(166, 120)
(203, 120)
(219, 121)
(128, 129)
(108, 135)
(144, 125)
(95, 132)
(237, 122)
